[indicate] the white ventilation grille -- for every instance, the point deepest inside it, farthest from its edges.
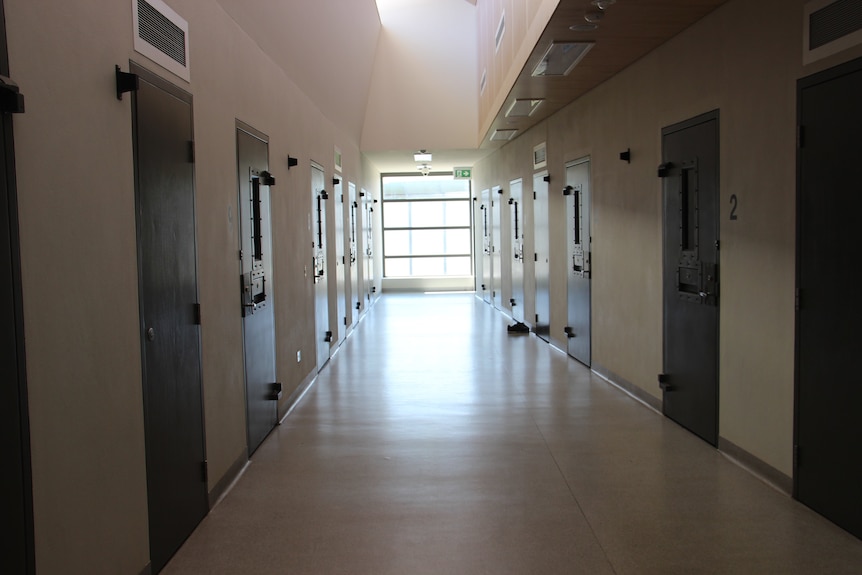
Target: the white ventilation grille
(501, 30)
(540, 156)
(161, 35)
(829, 27)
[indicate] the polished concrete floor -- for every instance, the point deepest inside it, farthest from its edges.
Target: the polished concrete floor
(435, 443)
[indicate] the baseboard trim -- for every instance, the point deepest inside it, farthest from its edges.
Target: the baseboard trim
(628, 387)
(756, 466)
(298, 393)
(233, 473)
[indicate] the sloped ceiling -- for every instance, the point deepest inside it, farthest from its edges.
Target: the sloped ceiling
(424, 93)
(327, 47)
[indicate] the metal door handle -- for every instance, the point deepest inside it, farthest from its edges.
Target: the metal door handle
(151, 334)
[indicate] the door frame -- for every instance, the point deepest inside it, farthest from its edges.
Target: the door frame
(19, 409)
(710, 116)
(587, 263)
(824, 76)
(175, 91)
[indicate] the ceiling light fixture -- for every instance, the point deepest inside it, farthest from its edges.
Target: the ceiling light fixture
(503, 135)
(561, 58)
(421, 156)
(424, 169)
(585, 27)
(523, 107)
(593, 17)
(602, 4)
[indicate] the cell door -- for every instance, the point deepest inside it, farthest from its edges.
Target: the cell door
(170, 330)
(516, 215)
(486, 215)
(368, 244)
(339, 326)
(496, 243)
(578, 241)
(828, 442)
(541, 256)
(322, 334)
(690, 194)
(16, 502)
(355, 290)
(262, 390)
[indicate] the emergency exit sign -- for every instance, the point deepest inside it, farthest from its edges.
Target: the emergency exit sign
(463, 173)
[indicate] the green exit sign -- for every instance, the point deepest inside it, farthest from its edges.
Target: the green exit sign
(463, 173)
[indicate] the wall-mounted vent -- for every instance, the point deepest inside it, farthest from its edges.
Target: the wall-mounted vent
(501, 31)
(161, 35)
(540, 156)
(829, 27)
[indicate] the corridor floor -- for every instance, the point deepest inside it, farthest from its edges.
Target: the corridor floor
(435, 443)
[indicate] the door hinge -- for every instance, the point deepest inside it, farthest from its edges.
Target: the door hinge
(800, 136)
(664, 382)
(345, 320)
(197, 312)
(240, 254)
(11, 100)
(537, 319)
(191, 151)
(204, 471)
(797, 304)
(534, 196)
(547, 178)
(535, 257)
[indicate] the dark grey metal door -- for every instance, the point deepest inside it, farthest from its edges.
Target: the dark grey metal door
(16, 502)
(516, 216)
(322, 333)
(578, 241)
(541, 257)
(828, 443)
(368, 245)
(256, 284)
(355, 290)
(690, 190)
(485, 215)
(496, 247)
(340, 323)
(170, 331)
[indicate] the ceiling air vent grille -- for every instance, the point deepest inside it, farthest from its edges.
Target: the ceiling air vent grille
(161, 35)
(831, 26)
(834, 21)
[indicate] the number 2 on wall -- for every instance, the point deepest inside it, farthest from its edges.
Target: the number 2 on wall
(734, 202)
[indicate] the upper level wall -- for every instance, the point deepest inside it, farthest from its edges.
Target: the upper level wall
(525, 20)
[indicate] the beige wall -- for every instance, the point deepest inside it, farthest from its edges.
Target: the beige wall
(79, 263)
(744, 59)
